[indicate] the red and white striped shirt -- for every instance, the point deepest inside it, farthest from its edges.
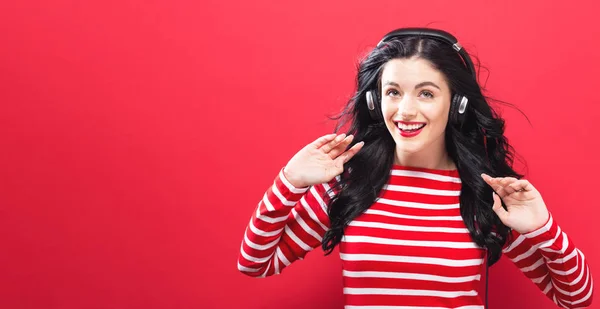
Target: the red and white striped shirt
(410, 249)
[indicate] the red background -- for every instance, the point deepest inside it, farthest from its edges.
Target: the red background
(138, 136)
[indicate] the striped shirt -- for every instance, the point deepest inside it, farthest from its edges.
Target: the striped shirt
(410, 249)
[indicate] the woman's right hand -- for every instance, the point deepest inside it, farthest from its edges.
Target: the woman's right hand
(321, 160)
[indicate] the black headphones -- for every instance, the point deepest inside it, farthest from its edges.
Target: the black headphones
(458, 105)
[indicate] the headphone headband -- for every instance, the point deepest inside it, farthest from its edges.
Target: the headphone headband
(435, 34)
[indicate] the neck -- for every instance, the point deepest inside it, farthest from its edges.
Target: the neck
(433, 157)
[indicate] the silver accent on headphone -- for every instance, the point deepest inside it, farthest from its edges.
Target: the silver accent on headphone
(457, 46)
(463, 105)
(370, 101)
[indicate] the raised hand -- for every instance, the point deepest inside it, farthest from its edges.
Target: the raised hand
(321, 160)
(525, 209)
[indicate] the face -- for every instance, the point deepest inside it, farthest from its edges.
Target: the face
(415, 101)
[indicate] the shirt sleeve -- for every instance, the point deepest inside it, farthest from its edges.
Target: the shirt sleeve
(550, 259)
(287, 223)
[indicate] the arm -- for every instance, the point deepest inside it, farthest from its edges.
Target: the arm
(287, 224)
(550, 259)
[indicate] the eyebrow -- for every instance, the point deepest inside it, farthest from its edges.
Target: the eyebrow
(419, 85)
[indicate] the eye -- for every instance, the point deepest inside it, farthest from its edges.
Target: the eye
(428, 94)
(392, 92)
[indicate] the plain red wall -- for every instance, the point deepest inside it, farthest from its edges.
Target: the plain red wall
(138, 136)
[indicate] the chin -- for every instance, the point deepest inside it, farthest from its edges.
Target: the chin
(409, 147)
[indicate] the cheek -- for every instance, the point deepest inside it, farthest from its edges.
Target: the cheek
(436, 115)
(386, 110)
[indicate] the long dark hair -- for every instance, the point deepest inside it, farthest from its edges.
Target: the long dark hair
(478, 146)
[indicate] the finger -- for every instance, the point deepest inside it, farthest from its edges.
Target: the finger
(521, 185)
(341, 147)
(507, 181)
(329, 146)
(499, 184)
(505, 189)
(492, 182)
(319, 142)
(346, 156)
(498, 209)
(498, 181)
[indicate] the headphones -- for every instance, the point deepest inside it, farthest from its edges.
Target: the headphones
(458, 104)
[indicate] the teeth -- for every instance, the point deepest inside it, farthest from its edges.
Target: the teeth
(406, 127)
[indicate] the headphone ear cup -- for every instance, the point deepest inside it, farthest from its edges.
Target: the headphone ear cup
(453, 114)
(458, 109)
(372, 103)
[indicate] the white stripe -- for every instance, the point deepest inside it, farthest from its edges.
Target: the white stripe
(408, 307)
(282, 257)
(247, 269)
(418, 205)
(254, 259)
(312, 214)
(397, 227)
(574, 282)
(564, 245)
(411, 276)
(556, 300)
(262, 233)
(586, 297)
(514, 244)
(257, 246)
(327, 187)
(564, 259)
(541, 230)
(562, 273)
(372, 291)
(550, 242)
(282, 198)
(525, 255)
(540, 279)
(533, 266)
(263, 275)
(267, 203)
(548, 287)
(319, 199)
(425, 175)
(289, 186)
(276, 263)
(410, 259)
(269, 219)
(401, 216)
(575, 293)
(305, 226)
(297, 240)
(413, 243)
(419, 190)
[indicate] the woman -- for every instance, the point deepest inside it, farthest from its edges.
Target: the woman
(418, 194)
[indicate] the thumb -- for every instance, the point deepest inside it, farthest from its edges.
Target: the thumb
(498, 209)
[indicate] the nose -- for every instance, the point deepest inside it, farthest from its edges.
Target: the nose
(408, 108)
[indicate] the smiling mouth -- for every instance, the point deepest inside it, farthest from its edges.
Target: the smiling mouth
(410, 127)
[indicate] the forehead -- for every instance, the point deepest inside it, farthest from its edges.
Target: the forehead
(411, 71)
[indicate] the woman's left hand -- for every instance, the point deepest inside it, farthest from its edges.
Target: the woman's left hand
(525, 209)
